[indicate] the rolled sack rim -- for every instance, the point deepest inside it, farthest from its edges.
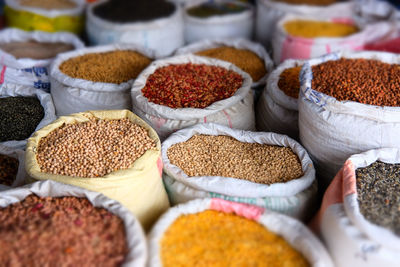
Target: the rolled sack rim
(76, 11)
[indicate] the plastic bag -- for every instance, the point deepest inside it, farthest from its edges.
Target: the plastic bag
(138, 188)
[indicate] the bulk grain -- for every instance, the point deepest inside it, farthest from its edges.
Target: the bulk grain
(264, 169)
(207, 155)
(112, 152)
(209, 9)
(108, 67)
(97, 78)
(289, 81)
(19, 117)
(123, 11)
(377, 189)
(220, 233)
(8, 170)
(244, 59)
(46, 230)
(49, 4)
(199, 237)
(191, 85)
(308, 2)
(315, 29)
(35, 50)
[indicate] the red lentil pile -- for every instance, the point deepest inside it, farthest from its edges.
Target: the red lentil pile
(94, 148)
(191, 85)
(8, 169)
(289, 81)
(65, 231)
(361, 80)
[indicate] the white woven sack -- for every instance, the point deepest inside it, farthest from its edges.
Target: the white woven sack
(162, 35)
(332, 130)
(72, 95)
(20, 156)
(10, 90)
(235, 111)
(371, 11)
(293, 231)
(384, 237)
(135, 238)
(238, 25)
(237, 43)
(52, 13)
(277, 112)
(26, 71)
(294, 198)
(286, 46)
(269, 12)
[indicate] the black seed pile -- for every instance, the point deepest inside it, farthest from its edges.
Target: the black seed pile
(19, 117)
(8, 169)
(378, 189)
(126, 11)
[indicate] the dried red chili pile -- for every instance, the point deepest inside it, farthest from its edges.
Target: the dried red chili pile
(191, 85)
(362, 80)
(8, 169)
(65, 231)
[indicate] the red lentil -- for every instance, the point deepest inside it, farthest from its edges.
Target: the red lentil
(289, 81)
(365, 81)
(8, 169)
(191, 85)
(65, 231)
(212, 238)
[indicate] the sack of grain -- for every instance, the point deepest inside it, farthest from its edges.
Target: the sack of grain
(269, 12)
(157, 25)
(85, 153)
(26, 56)
(12, 167)
(354, 117)
(277, 109)
(360, 210)
(226, 94)
(97, 78)
(249, 56)
(216, 230)
(217, 19)
(290, 188)
(306, 36)
(61, 224)
(48, 16)
(20, 119)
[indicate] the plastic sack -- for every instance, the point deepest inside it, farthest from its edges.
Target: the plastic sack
(295, 198)
(20, 156)
(277, 112)
(235, 43)
(235, 111)
(135, 238)
(55, 20)
(350, 238)
(238, 25)
(269, 12)
(293, 231)
(371, 11)
(26, 71)
(286, 46)
(11, 90)
(332, 130)
(138, 188)
(72, 95)
(152, 34)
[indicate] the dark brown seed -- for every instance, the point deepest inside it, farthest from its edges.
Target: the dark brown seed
(8, 169)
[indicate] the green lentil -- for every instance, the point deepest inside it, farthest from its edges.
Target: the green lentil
(19, 117)
(378, 187)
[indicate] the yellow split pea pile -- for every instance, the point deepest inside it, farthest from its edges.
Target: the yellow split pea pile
(108, 67)
(207, 155)
(218, 239)
(94, 148)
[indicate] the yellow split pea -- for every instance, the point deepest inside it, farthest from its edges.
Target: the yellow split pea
(212, 238)
(316, 29)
